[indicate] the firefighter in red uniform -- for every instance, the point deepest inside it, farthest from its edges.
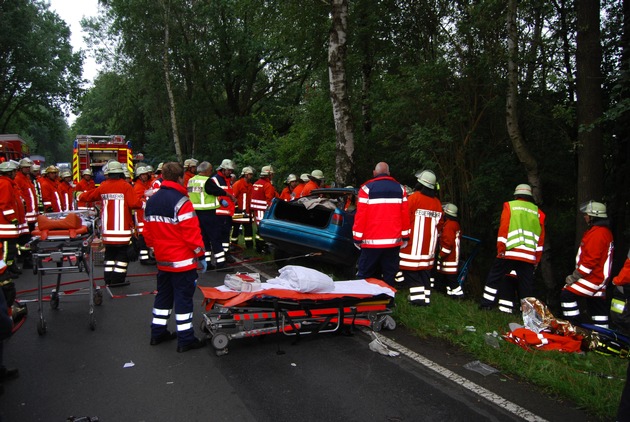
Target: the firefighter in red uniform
(622, 281)
(520, 241)
(142, 188)
(119, 200)
(316, 178)
(172, 230)
(288, 193)
(50, 190)
(7, 296)
(12, 215)
(417, 258)
(263, 193)
(191, 169)
(223, 179)
(297, 192)
(85, 184)
(381, 225)
(448, 255)
(35, 175)
(243, 188)
(28, 193)
(592, 269)
(66, 190)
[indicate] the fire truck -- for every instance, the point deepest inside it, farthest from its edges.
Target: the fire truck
(94, 151)
(12, 147)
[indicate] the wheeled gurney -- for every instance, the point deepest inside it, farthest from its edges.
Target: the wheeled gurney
(233, 315)
(64, 237)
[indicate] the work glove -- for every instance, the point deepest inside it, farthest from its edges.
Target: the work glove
(572, 278)
(204, 265)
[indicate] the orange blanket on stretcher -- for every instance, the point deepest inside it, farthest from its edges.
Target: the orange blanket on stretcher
(360, 289)
(70, 226)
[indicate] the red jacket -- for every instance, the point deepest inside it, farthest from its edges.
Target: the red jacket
(382, 216)
(593, 262)
(65, 195)
(450, 237)
(140, 188)
(118, 200)
(308, 187)
(171, 228)
(263, 193)
(29, 195)
(287, 194)
(624, 275)
(225, 183)
(12, 220)
(50, 194)
(243, 193)
(425, 214)
(84, 186)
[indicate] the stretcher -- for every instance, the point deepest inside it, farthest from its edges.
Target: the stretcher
(234, 315)
(65, 239)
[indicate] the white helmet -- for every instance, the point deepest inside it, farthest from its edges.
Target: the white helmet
(86, 171)
(193, 163)
(52, 169)
(317, 174)
(226, 164)
(523, 189)
(159, 167)
(65, 173)
(266, 171)
(187, 163)
(25, 162)
(426, 178)
(141, 170)
(7, 166)
(35, 167)
(594, 209)
(291, 178)
(304, 177)
(115, 167)
(247, 170)
(450, 209)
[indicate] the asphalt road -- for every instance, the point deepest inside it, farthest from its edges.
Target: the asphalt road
(114, 374)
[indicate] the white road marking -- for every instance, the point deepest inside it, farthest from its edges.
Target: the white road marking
(469, 385)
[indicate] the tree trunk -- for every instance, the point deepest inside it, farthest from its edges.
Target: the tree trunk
(590, 175)
(344, 161)
(169, 89)
(511, 107)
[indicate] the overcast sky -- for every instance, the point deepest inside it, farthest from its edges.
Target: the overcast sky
(72, 11)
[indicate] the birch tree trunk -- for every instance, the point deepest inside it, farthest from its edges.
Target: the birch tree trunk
(169, 89)
(344, 151)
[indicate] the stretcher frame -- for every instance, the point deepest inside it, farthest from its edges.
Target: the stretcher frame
(294, 315)
(60, 248)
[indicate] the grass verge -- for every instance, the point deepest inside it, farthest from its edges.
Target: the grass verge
(592, 381)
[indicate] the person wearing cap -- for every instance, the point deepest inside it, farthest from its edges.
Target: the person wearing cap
(141, 185)
(448, 253)
(28, 193)
(205, 205)
(417, 258)
(12, 215)
(288, 193)
(381, 225)
(243, 213)
(66, 190)
(223, 179)
(303, 180)
(316, 178)
(50, 190)
(520, 243)
(85, 184)
(119, 200)
(263, 193)
(191, 169)
(588, 281)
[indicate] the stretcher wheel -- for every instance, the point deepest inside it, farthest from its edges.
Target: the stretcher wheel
(203, 327)
(98, 298)
(41, 327)
(220, 341)
(54, 300)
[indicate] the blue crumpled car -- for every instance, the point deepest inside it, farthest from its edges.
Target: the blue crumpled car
(319, 224)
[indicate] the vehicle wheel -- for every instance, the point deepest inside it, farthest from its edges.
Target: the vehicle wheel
(54, 300)
(41, 327)
(98, 298)
(220, 341)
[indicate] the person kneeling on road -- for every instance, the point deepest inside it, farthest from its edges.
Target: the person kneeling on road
(172, 229)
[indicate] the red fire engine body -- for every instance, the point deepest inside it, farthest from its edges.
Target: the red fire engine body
(93, 151)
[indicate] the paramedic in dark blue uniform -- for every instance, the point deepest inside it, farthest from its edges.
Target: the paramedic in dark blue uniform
(171, 228)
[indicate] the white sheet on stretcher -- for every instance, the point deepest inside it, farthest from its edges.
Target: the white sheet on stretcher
(349, 287)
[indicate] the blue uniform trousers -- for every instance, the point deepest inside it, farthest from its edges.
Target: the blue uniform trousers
(175, 292)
